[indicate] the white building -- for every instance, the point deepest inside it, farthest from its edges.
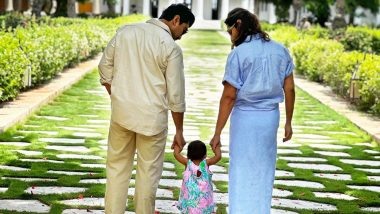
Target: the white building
(202, 9)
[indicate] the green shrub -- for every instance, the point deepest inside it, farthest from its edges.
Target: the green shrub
(13, 64)
(48, 45)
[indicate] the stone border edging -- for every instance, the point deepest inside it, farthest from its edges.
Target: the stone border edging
(27, 102)
(325, 95)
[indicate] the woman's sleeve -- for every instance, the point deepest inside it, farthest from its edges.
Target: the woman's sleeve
(289, 63)
(232, 73)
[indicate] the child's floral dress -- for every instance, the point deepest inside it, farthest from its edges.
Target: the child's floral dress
(196, 195)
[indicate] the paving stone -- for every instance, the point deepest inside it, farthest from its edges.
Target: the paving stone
(166, 206)
(90, 202)
(52, 118)
(13, 168)
(161, 193)
(302, 204)
(171, 182)
(18, 137)
(365, 144)
(329, 146)
(341, 133)
(93, 181)
(86, 134)
(20, 144)
(368, 170)
(216, 168)
(39, 132)
(311, 136)
(165, 173)
(24, 206)
(281, 193)
(288, 151)
(369, 188)
(3, 189)
(62, 140)
(282, 173)
(70, 173)
(373, 178)
(98, 121)
(42, 190)
(93, 165)
(220, 177)
(340, 177)
(76, 156)
(299, 183)
(334, 195)
(371, 151)
(31, 126)
(69, 148)
(168, 165)
(76, 129)
(307, 127)
(360, 162)
(29, 153)
(320, 122)
(306, 140)
(288, 144)
(88, 211)
(103, 142)
(277, 211)
(321, 167)
(221, 198)
(29, 179)
(41, 160)
(94, 126)
(370, 209)
(332, 154)
(302, 159)
(88, 115)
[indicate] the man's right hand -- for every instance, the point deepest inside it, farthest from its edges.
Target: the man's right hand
(179, 140)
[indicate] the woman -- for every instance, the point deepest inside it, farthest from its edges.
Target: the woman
(257, 74)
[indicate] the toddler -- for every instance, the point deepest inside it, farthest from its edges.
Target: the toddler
(196, 195)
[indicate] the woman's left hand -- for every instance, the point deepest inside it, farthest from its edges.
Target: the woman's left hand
(288, 132)
(215, 142)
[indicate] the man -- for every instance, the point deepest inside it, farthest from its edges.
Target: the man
(142, 70)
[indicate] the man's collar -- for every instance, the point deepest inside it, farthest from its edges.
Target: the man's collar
(159, 24)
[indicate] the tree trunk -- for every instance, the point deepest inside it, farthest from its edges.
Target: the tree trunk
(61, 8)
(256, 7)
(71, 8)
(296, 7)
(111, 7)
(37, 7)
(339, 21)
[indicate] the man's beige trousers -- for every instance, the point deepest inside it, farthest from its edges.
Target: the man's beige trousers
(122, 146)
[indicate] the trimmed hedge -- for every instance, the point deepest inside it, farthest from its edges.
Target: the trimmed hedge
(47, 47)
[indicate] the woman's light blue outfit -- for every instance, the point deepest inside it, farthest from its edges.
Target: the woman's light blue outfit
(257, 70)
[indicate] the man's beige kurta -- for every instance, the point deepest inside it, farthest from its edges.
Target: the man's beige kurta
(146, 76)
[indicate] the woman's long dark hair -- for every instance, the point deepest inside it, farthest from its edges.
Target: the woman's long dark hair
(249, 25)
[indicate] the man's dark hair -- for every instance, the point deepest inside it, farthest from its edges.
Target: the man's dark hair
(178, 9)
(196, 150)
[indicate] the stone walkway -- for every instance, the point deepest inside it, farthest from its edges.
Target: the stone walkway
(54, 163)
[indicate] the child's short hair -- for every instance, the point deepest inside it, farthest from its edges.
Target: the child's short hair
(196, 150)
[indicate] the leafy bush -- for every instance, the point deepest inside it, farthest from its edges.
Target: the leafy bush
(46, 46)
(13, 64)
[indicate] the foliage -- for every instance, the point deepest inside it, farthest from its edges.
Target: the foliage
(44, 48)
(320, 8)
